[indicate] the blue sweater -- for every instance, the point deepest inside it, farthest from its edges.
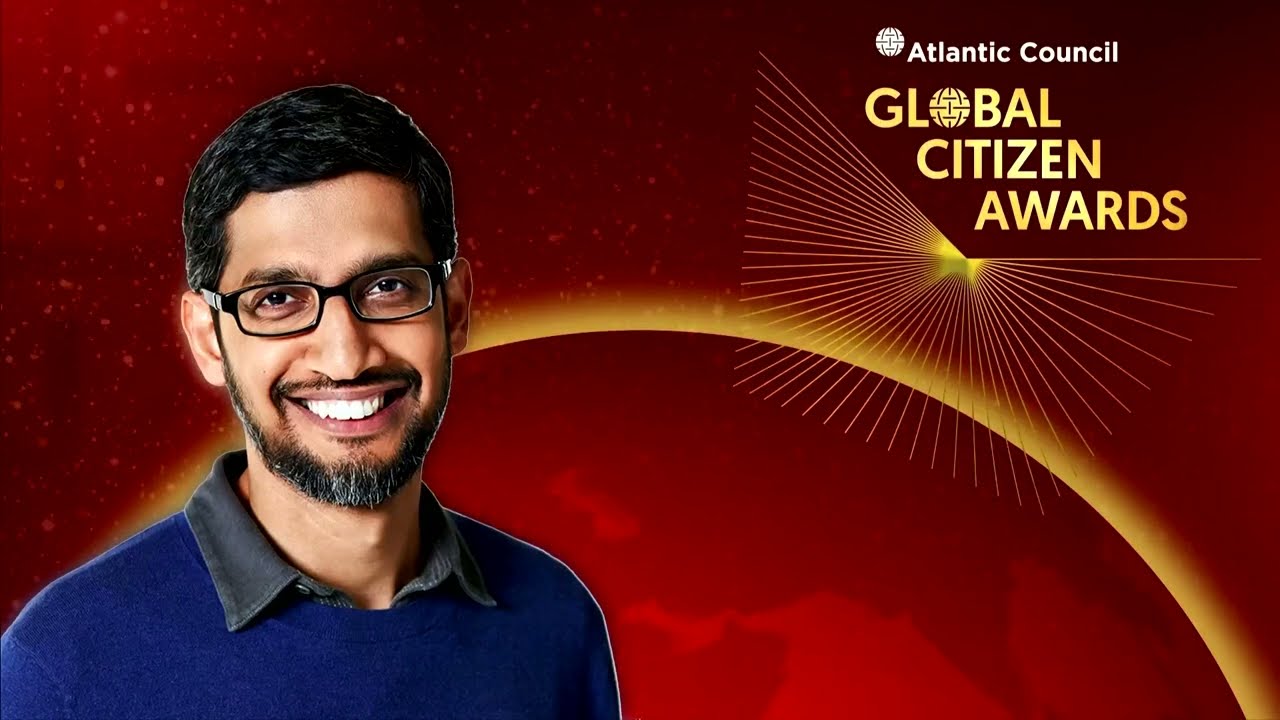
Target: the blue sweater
(139, 633)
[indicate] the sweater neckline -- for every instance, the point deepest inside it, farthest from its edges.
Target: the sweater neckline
(418, 615)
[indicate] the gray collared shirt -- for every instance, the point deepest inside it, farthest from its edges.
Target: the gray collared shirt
(249, 574)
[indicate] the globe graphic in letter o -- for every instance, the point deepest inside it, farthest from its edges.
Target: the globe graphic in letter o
(949, 107)
(889, 41)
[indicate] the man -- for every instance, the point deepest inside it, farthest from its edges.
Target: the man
(313, 574)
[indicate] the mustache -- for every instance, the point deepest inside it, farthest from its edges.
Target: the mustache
(372, 376)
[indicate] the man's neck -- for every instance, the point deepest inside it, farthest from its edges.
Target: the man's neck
(366, 553)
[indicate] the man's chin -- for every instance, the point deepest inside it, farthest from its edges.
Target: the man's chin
(344, 477)
(347, 470)
(342, 456)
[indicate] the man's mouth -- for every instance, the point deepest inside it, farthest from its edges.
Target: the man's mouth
(351, 407)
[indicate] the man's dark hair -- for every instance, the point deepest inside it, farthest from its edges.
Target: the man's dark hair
(305, 136)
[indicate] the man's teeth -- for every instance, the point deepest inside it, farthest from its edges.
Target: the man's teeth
(345, 409)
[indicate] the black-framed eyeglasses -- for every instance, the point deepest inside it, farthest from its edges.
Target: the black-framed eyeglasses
(296, 306)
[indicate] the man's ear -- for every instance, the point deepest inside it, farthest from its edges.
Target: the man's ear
(202, 338)
(457, 291)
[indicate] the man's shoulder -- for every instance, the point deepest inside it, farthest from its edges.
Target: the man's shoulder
(518, 569)
(553, 615)
(119, 577)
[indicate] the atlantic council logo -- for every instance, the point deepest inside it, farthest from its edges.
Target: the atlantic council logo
(949, 107)
(889, 41)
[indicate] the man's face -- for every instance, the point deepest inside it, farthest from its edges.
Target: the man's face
(282, 388)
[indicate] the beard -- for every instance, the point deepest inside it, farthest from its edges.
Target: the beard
(361, 479)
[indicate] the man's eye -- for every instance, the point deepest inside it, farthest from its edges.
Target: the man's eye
(388, 285)
(274, 301)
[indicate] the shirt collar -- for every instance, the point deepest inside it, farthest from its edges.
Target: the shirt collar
(248, 573)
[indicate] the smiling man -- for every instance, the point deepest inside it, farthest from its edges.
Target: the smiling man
(314, 574)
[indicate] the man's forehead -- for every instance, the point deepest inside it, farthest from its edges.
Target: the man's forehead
(324, 230)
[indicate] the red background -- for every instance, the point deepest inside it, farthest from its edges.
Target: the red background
(752, 563)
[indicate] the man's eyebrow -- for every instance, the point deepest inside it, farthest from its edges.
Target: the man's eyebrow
(382, 262)
(273, 274)
(288, 272)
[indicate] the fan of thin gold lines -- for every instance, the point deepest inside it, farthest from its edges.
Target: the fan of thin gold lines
(838, 255)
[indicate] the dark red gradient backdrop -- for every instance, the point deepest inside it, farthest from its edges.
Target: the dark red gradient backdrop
(752, 562)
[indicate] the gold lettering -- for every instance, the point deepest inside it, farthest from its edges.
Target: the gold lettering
(1092, 161)
(1169, 205)
(1048, 157)
(913, 119)
(1076, 211)
(992, 210)
(1109, 203)
(921, 159)
(1022, 214)
(986, 108)
(895, 111)
(1045, 120)
(1016, 172)
(1019, 109)
(1152, 206)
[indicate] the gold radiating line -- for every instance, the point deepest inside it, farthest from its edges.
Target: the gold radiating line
(1025, 343)
(849, 192)
(814, 243)
(829, 348)
(1077, 316)
(1004, 303)
(1008, 301)
(995, 267)
(898, 275)
(874, 302)
(1000, 282)
(1144, 298)
(1001, 362)
(855, 238)
(839, 236)
(955, 356)
(953, 314)
(859, 185)
(790, 278)
(930, 325)
(1133, 259)
(894, 194)
(812, 265)
(886, 308)
(810, 288)
(831, 215)
(913, 216)
(924, 320)
(907, 243)
(1056, 268)
(847, 395)
(941, 318)
(985, 370)
(913, 324)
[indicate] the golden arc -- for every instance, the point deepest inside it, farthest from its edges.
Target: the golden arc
(1160, 546)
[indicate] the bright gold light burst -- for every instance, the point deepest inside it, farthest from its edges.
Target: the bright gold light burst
(840, 257)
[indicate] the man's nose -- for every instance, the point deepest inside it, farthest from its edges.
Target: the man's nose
(342, 345)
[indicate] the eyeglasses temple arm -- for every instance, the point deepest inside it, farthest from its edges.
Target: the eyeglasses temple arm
(212, 298)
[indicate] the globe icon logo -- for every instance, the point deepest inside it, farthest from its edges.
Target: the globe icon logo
(889, 41)
(949, 107)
